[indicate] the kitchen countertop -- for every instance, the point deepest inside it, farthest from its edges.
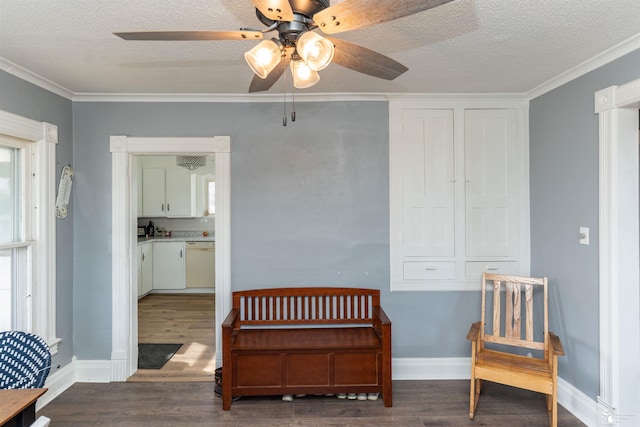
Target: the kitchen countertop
(177, 238)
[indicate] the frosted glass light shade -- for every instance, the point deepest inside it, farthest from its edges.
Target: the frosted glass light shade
(263, 58)
(303, 76)
(315, 50)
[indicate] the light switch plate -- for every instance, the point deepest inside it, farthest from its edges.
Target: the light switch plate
(584, 235)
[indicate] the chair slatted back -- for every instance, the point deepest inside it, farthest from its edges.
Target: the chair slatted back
(278, 306)
(516, 311)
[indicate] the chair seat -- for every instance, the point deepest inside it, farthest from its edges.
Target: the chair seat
(524, 372)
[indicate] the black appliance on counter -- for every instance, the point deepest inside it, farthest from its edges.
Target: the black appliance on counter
(150, 229)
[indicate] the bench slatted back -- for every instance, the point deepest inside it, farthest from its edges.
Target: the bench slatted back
(278, 306)
(516, 311)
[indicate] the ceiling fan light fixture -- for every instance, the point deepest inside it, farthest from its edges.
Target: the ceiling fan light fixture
(315, 50)
(303, 75)
(263, 58)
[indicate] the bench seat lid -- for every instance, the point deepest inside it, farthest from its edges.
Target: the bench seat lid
(306, 338)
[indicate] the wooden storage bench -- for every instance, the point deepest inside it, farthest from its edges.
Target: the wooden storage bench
(306, 341)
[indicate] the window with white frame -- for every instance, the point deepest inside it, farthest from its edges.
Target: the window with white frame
(27, 227)
(15, 256)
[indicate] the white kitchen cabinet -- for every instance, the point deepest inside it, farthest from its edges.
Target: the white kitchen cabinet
(145, 262)
(169, 265)
(458, 192)
(139, 191)
(169, 192)
(153, 192)
(178, 192)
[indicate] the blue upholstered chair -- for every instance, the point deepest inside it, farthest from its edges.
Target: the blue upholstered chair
(25, 360)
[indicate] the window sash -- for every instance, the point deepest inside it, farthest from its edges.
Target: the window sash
(37, 245)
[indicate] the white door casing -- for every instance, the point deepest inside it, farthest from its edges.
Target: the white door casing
(124, 237)
(617, 109)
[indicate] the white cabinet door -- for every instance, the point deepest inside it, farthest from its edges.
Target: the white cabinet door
(492, 188)
(139, 191)
(168, 265)
(178, 193)
(153, 192)
(428, 183)
(146, 269)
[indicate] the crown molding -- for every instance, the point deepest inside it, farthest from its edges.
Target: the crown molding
(225, 97)
(36, 79)
(609, 55)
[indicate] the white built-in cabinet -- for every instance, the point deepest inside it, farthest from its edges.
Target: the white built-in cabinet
(169, 265)
(459, 192)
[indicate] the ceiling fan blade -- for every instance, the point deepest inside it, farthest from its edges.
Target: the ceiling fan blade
(276, 10)
(366, 61)
(260, 85)
(190, 35)
(354, 14)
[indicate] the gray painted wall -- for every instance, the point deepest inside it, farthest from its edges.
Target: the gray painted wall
(22, 98)
(564, 196)
(309, 206)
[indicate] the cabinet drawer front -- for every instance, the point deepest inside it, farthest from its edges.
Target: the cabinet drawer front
(475, 269)
(415, 270)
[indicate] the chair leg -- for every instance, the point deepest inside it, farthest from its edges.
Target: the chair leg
(554, 409)
(474, 396)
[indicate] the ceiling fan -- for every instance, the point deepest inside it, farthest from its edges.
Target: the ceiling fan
(298, 46)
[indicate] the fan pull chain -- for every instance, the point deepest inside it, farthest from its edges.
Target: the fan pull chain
(293, 105)
(284, 99)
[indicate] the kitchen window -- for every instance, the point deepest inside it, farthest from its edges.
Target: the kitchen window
(211, 197)
(27, 227)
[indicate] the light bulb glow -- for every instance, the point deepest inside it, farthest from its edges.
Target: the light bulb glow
(263, 58)
(315, 50)
(303, 76)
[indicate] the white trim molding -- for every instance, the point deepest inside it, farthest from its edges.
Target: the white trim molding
(124, 319)
(603, 58)
(435, 368)
(619, 237)
(43, 138)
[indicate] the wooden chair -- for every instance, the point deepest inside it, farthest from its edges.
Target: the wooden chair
(497, 363)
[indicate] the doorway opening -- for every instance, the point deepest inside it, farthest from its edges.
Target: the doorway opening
(175, 272)
(124, 356)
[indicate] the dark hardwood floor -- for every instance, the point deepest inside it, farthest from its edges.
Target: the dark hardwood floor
(415, 404)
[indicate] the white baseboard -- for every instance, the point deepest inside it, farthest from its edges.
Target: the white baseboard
(437, 368)
(578, 403)
(57, 382)
(93, 371)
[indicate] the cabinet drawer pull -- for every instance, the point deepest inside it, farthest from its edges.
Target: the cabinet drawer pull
(168, 208)
(492, 268)
(430, 268)
(163, 207)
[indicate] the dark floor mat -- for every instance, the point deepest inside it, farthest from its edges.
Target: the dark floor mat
(154, 356)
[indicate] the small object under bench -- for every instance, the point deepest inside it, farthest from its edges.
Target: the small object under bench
(317, 340)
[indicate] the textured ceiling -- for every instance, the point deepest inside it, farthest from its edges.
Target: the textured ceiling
(462, 46)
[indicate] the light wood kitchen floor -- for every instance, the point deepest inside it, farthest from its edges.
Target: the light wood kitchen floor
(415, 404)
(188, 319)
